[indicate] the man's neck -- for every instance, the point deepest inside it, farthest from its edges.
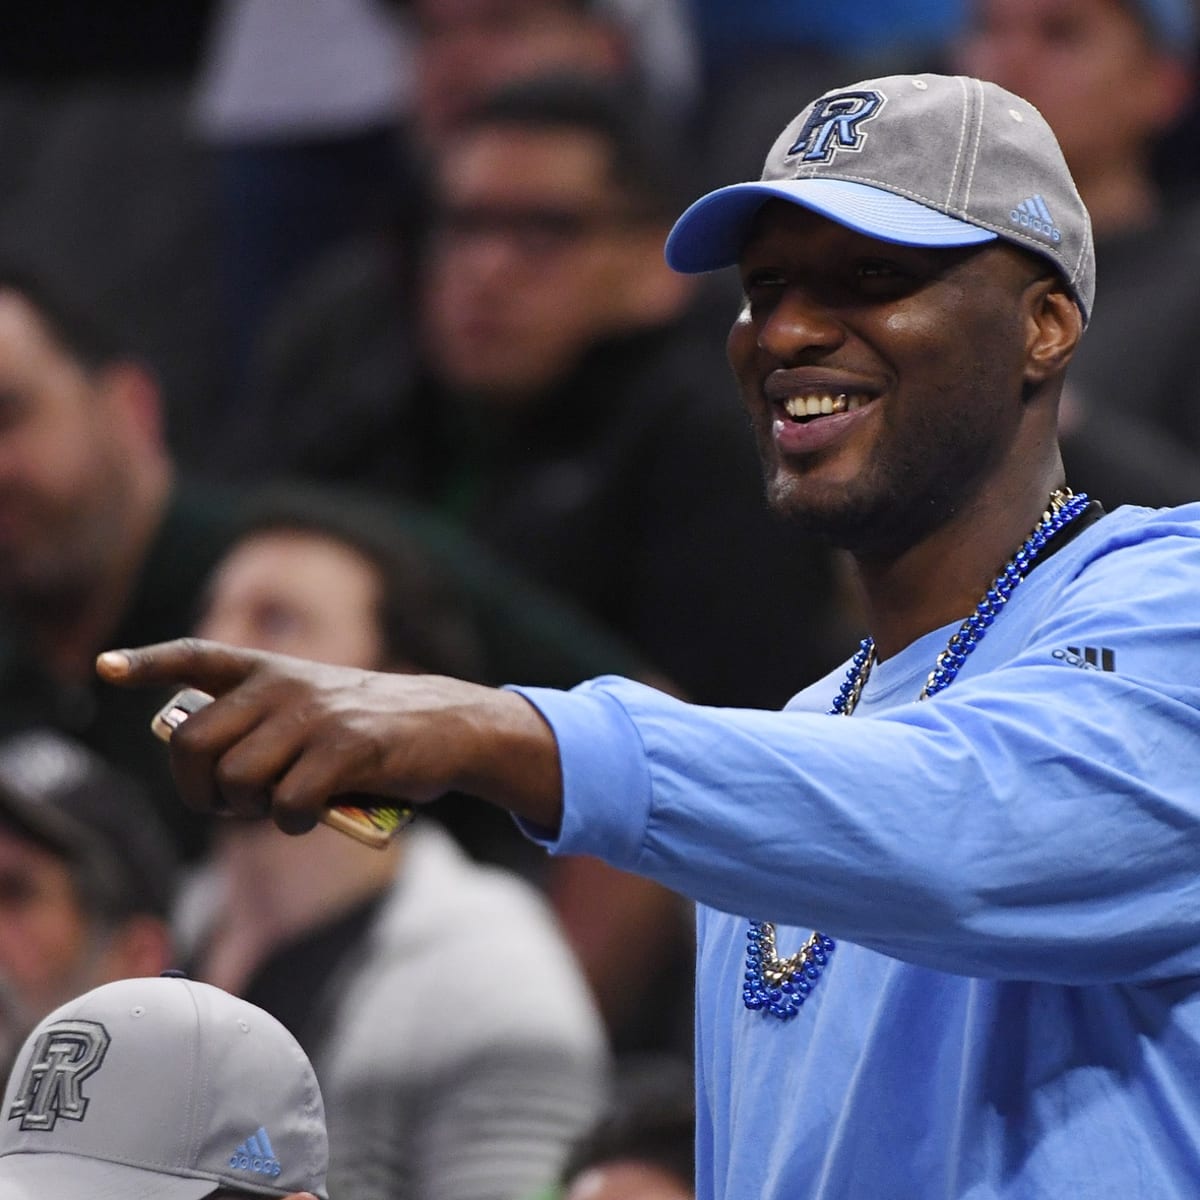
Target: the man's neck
(292, 885)
(940, 579)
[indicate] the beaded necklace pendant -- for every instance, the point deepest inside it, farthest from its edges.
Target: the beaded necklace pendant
(778, 986)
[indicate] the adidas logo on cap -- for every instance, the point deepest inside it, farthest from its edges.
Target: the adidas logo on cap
(1032, 214)
(256, 1154)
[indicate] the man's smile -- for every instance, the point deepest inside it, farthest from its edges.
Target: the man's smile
(804, 407)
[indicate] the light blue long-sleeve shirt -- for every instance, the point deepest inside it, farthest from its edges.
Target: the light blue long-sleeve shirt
(1011, 870)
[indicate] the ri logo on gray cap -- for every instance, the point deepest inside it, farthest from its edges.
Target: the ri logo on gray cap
(833, 125)
(63, 1057)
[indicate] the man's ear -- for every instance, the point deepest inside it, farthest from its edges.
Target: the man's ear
(1055, 327)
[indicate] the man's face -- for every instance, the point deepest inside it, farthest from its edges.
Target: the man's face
(62, 487)
(532, 261)
(45, 938)
(1087, 65)
(297, 593)
(915, 356)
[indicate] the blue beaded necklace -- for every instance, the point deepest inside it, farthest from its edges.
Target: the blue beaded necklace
(779, 986)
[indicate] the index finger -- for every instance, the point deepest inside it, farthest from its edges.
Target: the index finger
(212, 666)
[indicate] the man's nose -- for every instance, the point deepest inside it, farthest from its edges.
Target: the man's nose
(799, 322)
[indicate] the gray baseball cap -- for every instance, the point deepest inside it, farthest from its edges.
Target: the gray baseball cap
(922, 160)
(161, 1089)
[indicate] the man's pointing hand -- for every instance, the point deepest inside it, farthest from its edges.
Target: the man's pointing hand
(285, 735)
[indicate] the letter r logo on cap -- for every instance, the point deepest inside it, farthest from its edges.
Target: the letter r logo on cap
(833, 125)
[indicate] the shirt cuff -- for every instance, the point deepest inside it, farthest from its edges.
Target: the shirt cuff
(606, 778)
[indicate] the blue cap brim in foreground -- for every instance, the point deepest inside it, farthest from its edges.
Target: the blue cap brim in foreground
(711, 232)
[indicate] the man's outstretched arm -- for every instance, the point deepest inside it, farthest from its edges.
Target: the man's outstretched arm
(286, 735)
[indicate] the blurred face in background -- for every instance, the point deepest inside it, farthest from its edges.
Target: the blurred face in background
(1087, 65)
(293, 592)
(66, 491)
(44, 933)
(467, 48)
(535, 258)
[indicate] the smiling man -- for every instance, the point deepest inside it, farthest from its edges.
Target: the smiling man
(947, 948)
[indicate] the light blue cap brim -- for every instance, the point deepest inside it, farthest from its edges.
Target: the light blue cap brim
(710, 234)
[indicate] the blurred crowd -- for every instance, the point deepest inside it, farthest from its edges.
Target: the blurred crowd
(341, 328)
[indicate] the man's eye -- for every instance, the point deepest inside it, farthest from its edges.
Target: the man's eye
(877, 270)
(758, 281)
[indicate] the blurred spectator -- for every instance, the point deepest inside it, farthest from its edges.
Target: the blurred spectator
(1113, 77)
(97, 544)
(643, 1149)
(565, 405)
(457, 1047)
(87, 875)
(280, 588)
(319, 114)
(345, 318)
(162, 1088)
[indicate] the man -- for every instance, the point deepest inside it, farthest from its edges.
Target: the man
(998, 850)
(164, 1089)
(494, 1059)
(96, 539)
(87, 875)
(1112, 78)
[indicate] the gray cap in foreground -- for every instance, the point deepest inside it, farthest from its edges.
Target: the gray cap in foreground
(160, 1089)
(922, 160)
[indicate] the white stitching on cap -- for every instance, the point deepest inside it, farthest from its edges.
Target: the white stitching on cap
(1084, 246)
(975, 158)
(962, 137)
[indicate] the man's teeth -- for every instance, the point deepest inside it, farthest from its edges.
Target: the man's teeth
(800, 407)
